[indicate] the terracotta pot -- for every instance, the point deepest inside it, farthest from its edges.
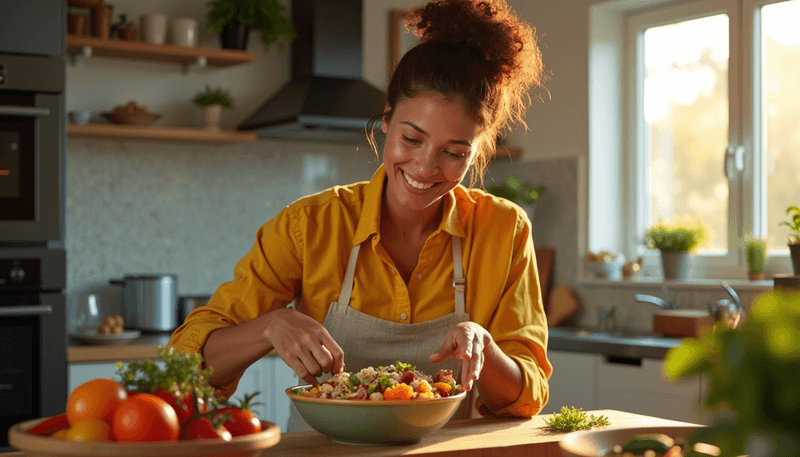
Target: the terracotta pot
(126, 33)
(101, 21)
(755, 275)
(77, 24)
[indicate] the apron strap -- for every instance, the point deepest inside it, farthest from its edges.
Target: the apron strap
(459, 283)
(347, 284)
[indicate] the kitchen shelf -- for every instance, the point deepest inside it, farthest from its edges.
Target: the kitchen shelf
(79, 47)
(138, 132)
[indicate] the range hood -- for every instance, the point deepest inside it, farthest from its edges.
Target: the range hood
(326, 98)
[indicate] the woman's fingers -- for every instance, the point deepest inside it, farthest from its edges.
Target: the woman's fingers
(447, 349)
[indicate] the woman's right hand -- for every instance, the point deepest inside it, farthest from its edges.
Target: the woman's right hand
(304, 344)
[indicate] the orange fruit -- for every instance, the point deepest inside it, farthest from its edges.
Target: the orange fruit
(95, 399)
(90, 429)
(145, 417)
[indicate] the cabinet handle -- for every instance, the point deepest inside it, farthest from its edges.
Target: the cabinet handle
(632, 361)
(23, 111)
(21, 311)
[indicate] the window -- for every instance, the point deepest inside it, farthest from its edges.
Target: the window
(713, 124)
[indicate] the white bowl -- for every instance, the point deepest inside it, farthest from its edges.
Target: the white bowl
(595, 443)
(608, 269)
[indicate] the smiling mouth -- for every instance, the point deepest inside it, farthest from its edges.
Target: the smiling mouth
(415, 184)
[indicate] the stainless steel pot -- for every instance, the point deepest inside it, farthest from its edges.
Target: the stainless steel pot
(151, 301)
(187, 303)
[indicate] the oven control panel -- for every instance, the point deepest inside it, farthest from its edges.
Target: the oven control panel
(20, 273)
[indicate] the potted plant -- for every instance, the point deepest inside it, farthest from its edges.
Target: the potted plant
(519, 192)
(126, 30)
(756, 252)
(794, 238)
(233, 19)
(751, 374)
(212, 101)
(676, 240)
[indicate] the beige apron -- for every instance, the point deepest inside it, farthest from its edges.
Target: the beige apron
(370, 341)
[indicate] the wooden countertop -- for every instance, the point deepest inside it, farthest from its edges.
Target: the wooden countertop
(144, 347)
(483, 437)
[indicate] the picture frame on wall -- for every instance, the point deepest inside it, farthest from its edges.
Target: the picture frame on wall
(400, 38)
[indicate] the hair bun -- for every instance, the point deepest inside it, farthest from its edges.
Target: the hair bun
(488, 27)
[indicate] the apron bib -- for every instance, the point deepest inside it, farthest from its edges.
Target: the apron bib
(369, 341)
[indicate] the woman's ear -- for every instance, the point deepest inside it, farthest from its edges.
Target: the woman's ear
(385, 117)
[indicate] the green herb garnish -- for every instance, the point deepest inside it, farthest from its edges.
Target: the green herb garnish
(385, 381)
(571, 419)
(403, 366)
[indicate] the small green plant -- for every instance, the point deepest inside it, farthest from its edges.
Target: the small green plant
(266, 16)
(518, 191)
(682, 234)
(214, 97)
(793, 223)
(756, 252)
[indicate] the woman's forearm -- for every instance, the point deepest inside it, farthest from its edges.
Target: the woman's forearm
(501, 379)
(231, 350)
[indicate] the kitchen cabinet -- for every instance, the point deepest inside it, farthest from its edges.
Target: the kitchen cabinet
(80, 48)
(596, 381)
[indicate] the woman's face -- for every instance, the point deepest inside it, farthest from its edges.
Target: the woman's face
(430, 144)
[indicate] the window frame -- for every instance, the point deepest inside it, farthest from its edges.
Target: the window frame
(747, 191)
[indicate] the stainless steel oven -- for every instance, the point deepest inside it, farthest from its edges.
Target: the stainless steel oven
(31, 145)
(33, 340)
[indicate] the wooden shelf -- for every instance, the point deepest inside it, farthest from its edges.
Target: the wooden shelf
(508, 152)
(138, 132)
(79, 47)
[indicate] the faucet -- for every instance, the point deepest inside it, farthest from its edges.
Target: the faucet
(669, 303)
(726, 311)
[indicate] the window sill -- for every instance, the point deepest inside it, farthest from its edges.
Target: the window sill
(690, 284)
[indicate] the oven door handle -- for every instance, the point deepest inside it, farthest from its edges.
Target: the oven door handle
(17, 311)
(23, 111)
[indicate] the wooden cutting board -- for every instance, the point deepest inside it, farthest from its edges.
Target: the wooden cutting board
(480, 437)
(561, 305)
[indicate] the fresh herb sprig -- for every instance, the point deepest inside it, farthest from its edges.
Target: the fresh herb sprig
(182, 373)
(571, 419)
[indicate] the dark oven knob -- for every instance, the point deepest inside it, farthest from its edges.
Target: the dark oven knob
(17, 274)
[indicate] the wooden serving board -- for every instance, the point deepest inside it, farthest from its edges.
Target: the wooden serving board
(479, 437)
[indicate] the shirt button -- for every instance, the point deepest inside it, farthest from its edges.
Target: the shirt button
(403, 316)
(419, 275)
(394, 271)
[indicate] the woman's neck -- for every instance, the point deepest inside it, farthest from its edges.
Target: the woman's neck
(405, 225)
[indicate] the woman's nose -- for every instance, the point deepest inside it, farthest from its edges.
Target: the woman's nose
(427, 162)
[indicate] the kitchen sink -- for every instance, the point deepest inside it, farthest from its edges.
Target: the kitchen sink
(618, 342)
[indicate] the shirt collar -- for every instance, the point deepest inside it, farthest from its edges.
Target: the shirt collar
(370, 220)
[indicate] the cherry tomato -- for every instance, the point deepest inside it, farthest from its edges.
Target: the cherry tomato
(98, 399)
(145, 417)
(241, 422)
(203, 428)
(91, 429)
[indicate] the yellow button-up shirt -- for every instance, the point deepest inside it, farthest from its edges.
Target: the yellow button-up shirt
(308, 244)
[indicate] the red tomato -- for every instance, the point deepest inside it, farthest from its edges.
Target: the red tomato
(202, 428)
(95, 399)
(145, 417)
(184, 407)
(241, 422)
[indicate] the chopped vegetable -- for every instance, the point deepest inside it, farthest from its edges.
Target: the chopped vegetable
(399, 392)
(571, 419)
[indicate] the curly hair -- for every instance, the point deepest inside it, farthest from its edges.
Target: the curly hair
(478, 51)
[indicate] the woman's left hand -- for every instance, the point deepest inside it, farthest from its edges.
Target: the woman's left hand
(465, 341)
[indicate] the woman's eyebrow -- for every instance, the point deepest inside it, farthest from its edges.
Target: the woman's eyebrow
(419, 129)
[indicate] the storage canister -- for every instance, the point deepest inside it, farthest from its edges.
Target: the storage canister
(151, 301)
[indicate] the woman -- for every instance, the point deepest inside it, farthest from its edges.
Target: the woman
(410, 266)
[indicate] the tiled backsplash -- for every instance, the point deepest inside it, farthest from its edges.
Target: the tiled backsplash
(185, 209)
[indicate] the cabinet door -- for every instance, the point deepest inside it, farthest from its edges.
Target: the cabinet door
(573, 382)
(278, 378)
(639, 386)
